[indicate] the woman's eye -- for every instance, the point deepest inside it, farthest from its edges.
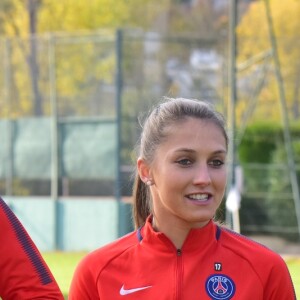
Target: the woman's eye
(216, 163)
(184, 162)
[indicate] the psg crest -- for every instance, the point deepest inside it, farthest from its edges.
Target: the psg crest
(220, 287)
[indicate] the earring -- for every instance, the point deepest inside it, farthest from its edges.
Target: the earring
(149, 182)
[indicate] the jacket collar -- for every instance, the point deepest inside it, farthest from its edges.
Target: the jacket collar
(198, 239)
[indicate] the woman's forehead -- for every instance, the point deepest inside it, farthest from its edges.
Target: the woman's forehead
(194, 131)
(198, 124)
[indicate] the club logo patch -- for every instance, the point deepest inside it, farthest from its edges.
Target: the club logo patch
(220, 287)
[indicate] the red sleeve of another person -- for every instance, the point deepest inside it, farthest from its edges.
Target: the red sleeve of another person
(23, 272)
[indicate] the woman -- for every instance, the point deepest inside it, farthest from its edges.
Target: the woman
(178, 252)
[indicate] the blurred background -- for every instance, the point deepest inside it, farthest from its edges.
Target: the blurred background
(76, 76)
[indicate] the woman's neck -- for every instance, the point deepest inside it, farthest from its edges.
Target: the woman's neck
(177, 233)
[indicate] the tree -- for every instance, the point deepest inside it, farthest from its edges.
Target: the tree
(253, 39)
(21, 20)
(37, 17)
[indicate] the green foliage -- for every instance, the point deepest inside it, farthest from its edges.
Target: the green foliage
(267, 199)
(281, 210)
(259, 142)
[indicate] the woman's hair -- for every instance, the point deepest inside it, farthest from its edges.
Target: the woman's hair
(171, 111)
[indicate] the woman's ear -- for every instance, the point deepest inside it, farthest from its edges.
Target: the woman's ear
(143, 170)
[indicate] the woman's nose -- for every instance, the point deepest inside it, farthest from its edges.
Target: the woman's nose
(202, 176)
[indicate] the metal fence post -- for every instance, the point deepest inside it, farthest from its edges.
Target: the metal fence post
(7, 101)
(122, 207)
(232, 103)
(54, 136)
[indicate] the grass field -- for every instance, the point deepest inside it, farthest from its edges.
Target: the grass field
(63, 264)
(294, 267)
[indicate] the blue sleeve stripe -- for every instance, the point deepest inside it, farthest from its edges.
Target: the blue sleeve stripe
(139, 234)
(26, 244)
(218, 233)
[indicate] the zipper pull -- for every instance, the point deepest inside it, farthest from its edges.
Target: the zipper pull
(179, 252)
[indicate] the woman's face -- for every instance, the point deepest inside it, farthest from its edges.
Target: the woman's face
(188, 174)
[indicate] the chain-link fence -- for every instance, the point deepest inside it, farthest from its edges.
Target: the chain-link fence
(59, 91)
(267, 202)
(70, 106)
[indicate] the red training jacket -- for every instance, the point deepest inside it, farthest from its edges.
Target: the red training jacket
(24, 274)
(213, 264)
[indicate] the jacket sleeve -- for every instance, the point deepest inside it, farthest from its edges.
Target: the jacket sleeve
(24, 274)
(280, 285)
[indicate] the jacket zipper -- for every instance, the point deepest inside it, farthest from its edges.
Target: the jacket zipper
(179, 273)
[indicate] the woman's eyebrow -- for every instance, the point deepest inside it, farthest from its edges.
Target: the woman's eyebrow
(185, 150)
(220, 151)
